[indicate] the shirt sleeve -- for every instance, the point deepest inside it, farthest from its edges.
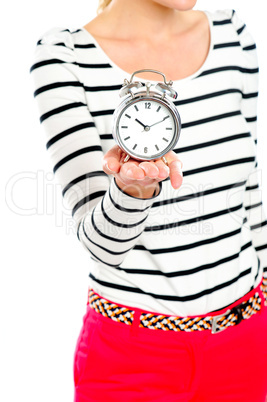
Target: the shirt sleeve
(256, 216)
(109, 222)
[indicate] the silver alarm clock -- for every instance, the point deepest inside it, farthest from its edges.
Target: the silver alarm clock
(147, 124)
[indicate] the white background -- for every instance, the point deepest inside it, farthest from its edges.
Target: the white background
(44, 269)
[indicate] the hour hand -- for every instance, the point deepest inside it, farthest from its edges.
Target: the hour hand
(138, 121)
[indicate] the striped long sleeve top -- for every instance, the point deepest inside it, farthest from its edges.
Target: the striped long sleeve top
(183, 252)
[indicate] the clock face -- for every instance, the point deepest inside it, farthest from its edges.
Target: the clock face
(146, 129)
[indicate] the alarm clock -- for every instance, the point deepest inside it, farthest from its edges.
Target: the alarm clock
(146, 124)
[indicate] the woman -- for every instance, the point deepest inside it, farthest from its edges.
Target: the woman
(176, 306)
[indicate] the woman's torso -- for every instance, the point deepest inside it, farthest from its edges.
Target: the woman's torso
(195, 254)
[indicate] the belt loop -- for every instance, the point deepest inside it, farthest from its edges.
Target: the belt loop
(136, 322)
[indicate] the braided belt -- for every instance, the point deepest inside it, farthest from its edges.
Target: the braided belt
(216, 324)
(264, 286)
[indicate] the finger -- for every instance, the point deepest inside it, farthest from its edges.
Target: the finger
(150, 168)
(131, 170)
(176, 174)
(164, 170)
(172, 156)
(111, 160)
(175, 165)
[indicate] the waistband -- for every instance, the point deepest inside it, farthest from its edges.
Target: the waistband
(232, 315)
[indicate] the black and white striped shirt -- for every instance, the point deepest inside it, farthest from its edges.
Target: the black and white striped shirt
(184, 252)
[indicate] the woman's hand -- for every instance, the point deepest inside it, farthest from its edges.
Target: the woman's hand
(140, 178)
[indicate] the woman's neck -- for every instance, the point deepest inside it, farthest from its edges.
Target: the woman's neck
(139, 19)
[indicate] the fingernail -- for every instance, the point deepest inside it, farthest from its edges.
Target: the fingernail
(180, 165)
(110, 168)
(142, 167)
(129, 172)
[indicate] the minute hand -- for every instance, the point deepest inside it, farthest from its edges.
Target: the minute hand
(159, 121)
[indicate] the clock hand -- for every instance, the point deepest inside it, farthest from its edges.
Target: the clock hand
(146, 128)
(159, 121)
(138, 121)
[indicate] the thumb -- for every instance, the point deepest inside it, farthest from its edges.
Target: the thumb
(111, 160)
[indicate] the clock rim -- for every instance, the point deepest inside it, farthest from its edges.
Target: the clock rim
(155, 97)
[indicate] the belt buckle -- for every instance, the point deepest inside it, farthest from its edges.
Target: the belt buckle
(215, 319)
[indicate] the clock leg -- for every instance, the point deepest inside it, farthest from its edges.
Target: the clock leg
(164, 160)
(126, 158)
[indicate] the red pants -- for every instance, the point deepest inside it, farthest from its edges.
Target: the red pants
(115, 362)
